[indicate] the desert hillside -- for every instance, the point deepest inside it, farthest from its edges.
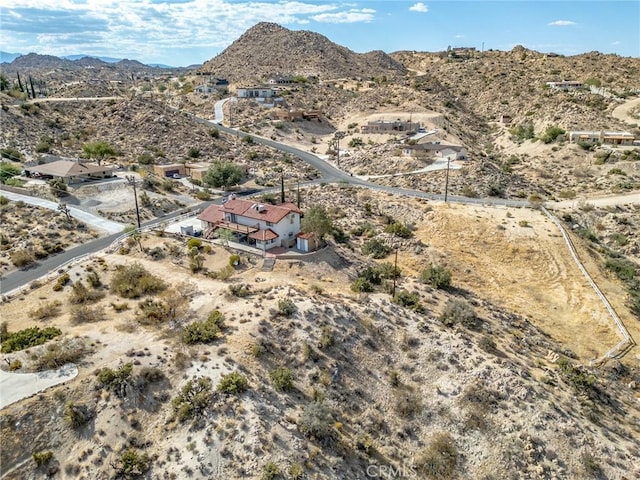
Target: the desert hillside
(445, 332)
(336, 381)
(268, 50)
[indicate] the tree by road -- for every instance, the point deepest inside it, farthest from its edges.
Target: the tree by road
(223, 174)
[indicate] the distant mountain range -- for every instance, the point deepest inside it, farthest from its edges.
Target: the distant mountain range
(6, 57)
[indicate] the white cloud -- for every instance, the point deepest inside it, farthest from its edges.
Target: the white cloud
(561, 23)
(459, 36)
(419, 7)
(352, 16)
(617, 42)
(149, 30)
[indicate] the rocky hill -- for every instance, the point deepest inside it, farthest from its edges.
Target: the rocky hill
(293, 371)
(268, 49)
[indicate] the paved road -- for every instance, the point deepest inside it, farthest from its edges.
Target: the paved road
(16, 386)
(86, 217)
(50, 264)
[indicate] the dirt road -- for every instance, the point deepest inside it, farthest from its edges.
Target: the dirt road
(623, 112)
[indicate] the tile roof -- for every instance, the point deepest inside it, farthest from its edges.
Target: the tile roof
(264, 235)
(212, 214)
(267, 212)
(247, 209)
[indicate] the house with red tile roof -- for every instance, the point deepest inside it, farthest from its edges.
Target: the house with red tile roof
(262, 225)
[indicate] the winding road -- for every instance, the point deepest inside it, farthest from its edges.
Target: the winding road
(328, 174)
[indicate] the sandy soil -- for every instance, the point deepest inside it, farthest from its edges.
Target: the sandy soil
(628, 112)
(526, 267)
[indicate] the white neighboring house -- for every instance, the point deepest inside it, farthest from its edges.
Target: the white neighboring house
(608, 138)
(566, 85)
(256, 92)
(264, 226)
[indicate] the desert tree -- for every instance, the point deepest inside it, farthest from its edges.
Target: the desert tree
(98, 150)
(223, 174)
(316, 220)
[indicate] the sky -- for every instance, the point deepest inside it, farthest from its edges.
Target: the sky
(187, 32)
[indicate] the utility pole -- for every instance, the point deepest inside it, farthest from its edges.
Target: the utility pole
(395, 273)
(132, 181)
(446, 183)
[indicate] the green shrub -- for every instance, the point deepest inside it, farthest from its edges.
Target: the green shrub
(15, 365)
(61, 282)
(437, 276)
(286, 307)
(134, 281)
(151, 312)
(77, 415)
(22, 258)
(194, 243)
(80, 294)
(362, 285)
(376, 248)
(577, 377)
(234, 260)
(11, 154)
(296, 471)
(317, 422)
(624, 269)
(193, 399)
(202, 195)
(458, 311)
(408, 299)
(551, 133)
(239, 290)
(42, 458)
(522, 132)
(204, 331)
(86, 314)
(7, 171)
(115, 380)
(233, 383)
(271, 470)
(282, 379)
(399, 230)
(132, 464)
(439, 459)
(29, 337)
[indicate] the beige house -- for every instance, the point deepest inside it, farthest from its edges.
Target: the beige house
(381, 126)
(70, 171)
(169, 170)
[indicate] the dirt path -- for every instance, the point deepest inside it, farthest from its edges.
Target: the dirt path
(604, 201)
(623, 112)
